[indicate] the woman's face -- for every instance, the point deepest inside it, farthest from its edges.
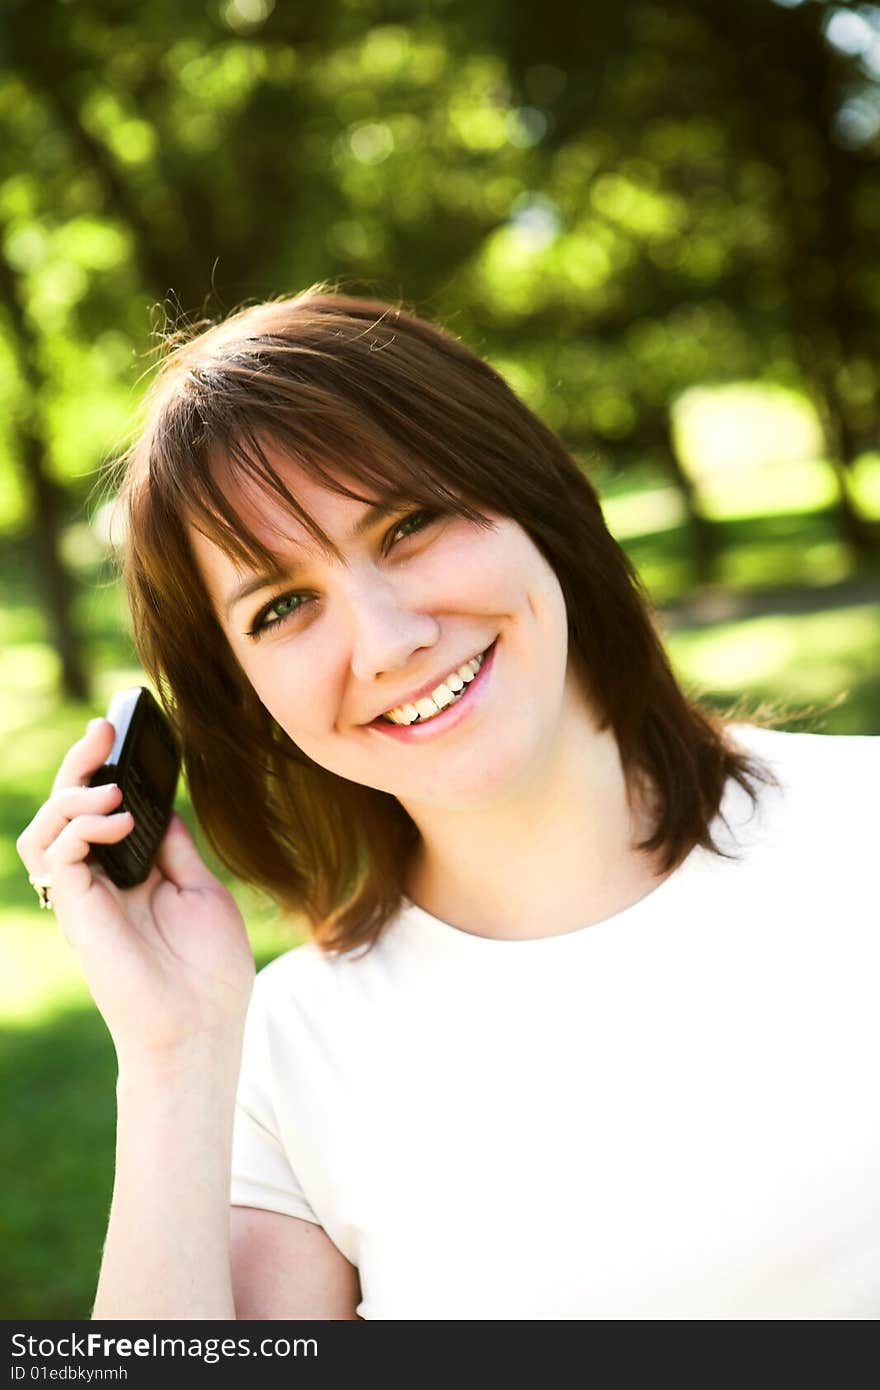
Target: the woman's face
(329, 647)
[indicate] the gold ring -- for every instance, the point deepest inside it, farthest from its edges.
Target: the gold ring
(42, 883)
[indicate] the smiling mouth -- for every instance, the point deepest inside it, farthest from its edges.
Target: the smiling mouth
(447, 693)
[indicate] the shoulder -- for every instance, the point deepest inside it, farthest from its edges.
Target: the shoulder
(825, 781)
(787, 753)
(303, 966)
(304, 972)
(309, 983)
(309, 1014)
(291, 994)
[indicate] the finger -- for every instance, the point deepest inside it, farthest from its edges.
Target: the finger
(55, 814)
(65, 859)
(179, 858)
(86, 755)
(74, 843)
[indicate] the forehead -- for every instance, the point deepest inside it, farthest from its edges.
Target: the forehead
(276, 517)
(255, 506)
(254, 500)
(265, 514)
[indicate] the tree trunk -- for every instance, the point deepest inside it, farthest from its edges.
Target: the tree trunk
(704, 545)
(44, 496)
(862, 535)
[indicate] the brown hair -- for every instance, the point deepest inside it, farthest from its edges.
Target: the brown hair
(407, 411)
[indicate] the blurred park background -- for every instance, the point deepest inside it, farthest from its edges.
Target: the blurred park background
(660, 221)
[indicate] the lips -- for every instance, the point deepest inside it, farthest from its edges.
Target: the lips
(440, 725)
(425, 690)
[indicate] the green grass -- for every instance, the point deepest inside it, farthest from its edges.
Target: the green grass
(57, 1080)
(57, 1067)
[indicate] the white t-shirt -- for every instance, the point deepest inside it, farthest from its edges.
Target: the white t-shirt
(669, 1114)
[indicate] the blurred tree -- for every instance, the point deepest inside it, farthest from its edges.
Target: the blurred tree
(738, 158)
(47, 502)
(615, 203)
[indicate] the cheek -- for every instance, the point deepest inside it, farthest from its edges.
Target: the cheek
(290, 689)
(535, 579)
(460, 562)
(474, 570)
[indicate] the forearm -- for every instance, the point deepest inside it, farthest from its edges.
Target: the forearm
(166, 1254)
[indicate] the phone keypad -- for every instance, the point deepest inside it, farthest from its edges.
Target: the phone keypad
(149, 820)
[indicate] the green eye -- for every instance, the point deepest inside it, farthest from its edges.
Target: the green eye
(274, 613)
(286, 605)
(283, 607)
(425, 517)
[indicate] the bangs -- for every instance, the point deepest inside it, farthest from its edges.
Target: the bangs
(359, 462)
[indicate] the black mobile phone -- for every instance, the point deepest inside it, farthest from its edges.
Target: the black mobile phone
(145, 762)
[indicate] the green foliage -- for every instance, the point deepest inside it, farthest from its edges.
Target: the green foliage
(623, 203)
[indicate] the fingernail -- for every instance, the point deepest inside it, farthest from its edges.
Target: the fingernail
(92, 724)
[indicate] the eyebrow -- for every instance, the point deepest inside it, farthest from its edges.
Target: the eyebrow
(268, 578)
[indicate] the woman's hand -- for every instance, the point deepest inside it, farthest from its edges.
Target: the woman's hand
(168, 963)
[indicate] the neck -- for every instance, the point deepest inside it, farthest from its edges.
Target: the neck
(554, 853)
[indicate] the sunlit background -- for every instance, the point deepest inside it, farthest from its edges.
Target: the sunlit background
(660, 222)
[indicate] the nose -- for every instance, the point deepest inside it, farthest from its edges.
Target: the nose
(386, 631)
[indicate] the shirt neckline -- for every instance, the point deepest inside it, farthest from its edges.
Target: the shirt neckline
(732, 810)
(442, 931)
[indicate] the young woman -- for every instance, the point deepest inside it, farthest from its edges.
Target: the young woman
(586, 1027)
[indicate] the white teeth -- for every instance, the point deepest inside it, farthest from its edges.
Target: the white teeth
(442, 695)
